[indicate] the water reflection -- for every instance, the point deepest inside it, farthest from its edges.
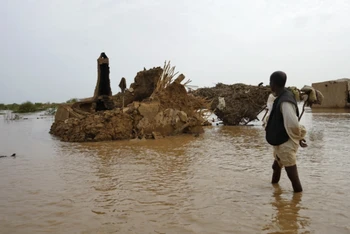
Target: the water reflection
(240, 131)
(131, 177)
(287, 218)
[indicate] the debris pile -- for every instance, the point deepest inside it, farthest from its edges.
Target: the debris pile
(101, 126)
(311, 96)
(236, 104)
(156, 105)
(144, 84)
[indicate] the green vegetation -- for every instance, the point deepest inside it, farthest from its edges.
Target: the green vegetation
(72, 100)
(13, 106)
(28, 107)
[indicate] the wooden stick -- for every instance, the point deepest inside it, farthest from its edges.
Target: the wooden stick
(262, 111)
(301, 115)
(267, 111)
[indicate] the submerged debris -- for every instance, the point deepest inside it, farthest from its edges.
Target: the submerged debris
(9, 115)
(5, 156)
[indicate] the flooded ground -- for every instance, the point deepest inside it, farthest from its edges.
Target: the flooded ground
(216, 183)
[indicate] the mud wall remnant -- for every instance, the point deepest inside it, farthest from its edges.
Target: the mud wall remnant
(103, 92)
(143, 86)
(66, 111)
(336, 93)
(145, 83)
(103, 86)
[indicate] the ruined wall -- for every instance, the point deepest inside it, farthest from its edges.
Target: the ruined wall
(103, 86)
(138, 120)
(336, 93)
(142, 88)
(62, 113)
(65, 111)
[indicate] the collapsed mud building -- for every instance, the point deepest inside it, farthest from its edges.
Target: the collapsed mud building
(236, 104)
(239, 104)
(156, 105)
(336, 93)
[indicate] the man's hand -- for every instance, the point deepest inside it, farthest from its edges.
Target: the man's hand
(302, 143)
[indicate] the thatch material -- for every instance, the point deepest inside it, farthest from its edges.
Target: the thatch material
(172, 94)
(165, 79)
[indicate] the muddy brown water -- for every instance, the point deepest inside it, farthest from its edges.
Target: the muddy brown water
(216, 183)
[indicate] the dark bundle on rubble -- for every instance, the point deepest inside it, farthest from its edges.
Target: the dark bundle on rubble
(236, 104)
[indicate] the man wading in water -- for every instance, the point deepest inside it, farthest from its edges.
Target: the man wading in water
(283, 131)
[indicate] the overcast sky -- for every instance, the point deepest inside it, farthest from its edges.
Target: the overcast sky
(49, 47)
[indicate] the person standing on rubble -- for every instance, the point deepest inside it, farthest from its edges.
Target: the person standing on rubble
(283, 131)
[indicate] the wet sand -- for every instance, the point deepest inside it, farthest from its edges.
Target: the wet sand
(216, 183)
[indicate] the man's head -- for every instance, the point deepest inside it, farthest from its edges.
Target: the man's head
(278, 81)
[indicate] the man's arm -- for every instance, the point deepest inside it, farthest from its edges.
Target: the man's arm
(291, 122)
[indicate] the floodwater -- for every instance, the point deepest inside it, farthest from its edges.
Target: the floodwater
(216, 183)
